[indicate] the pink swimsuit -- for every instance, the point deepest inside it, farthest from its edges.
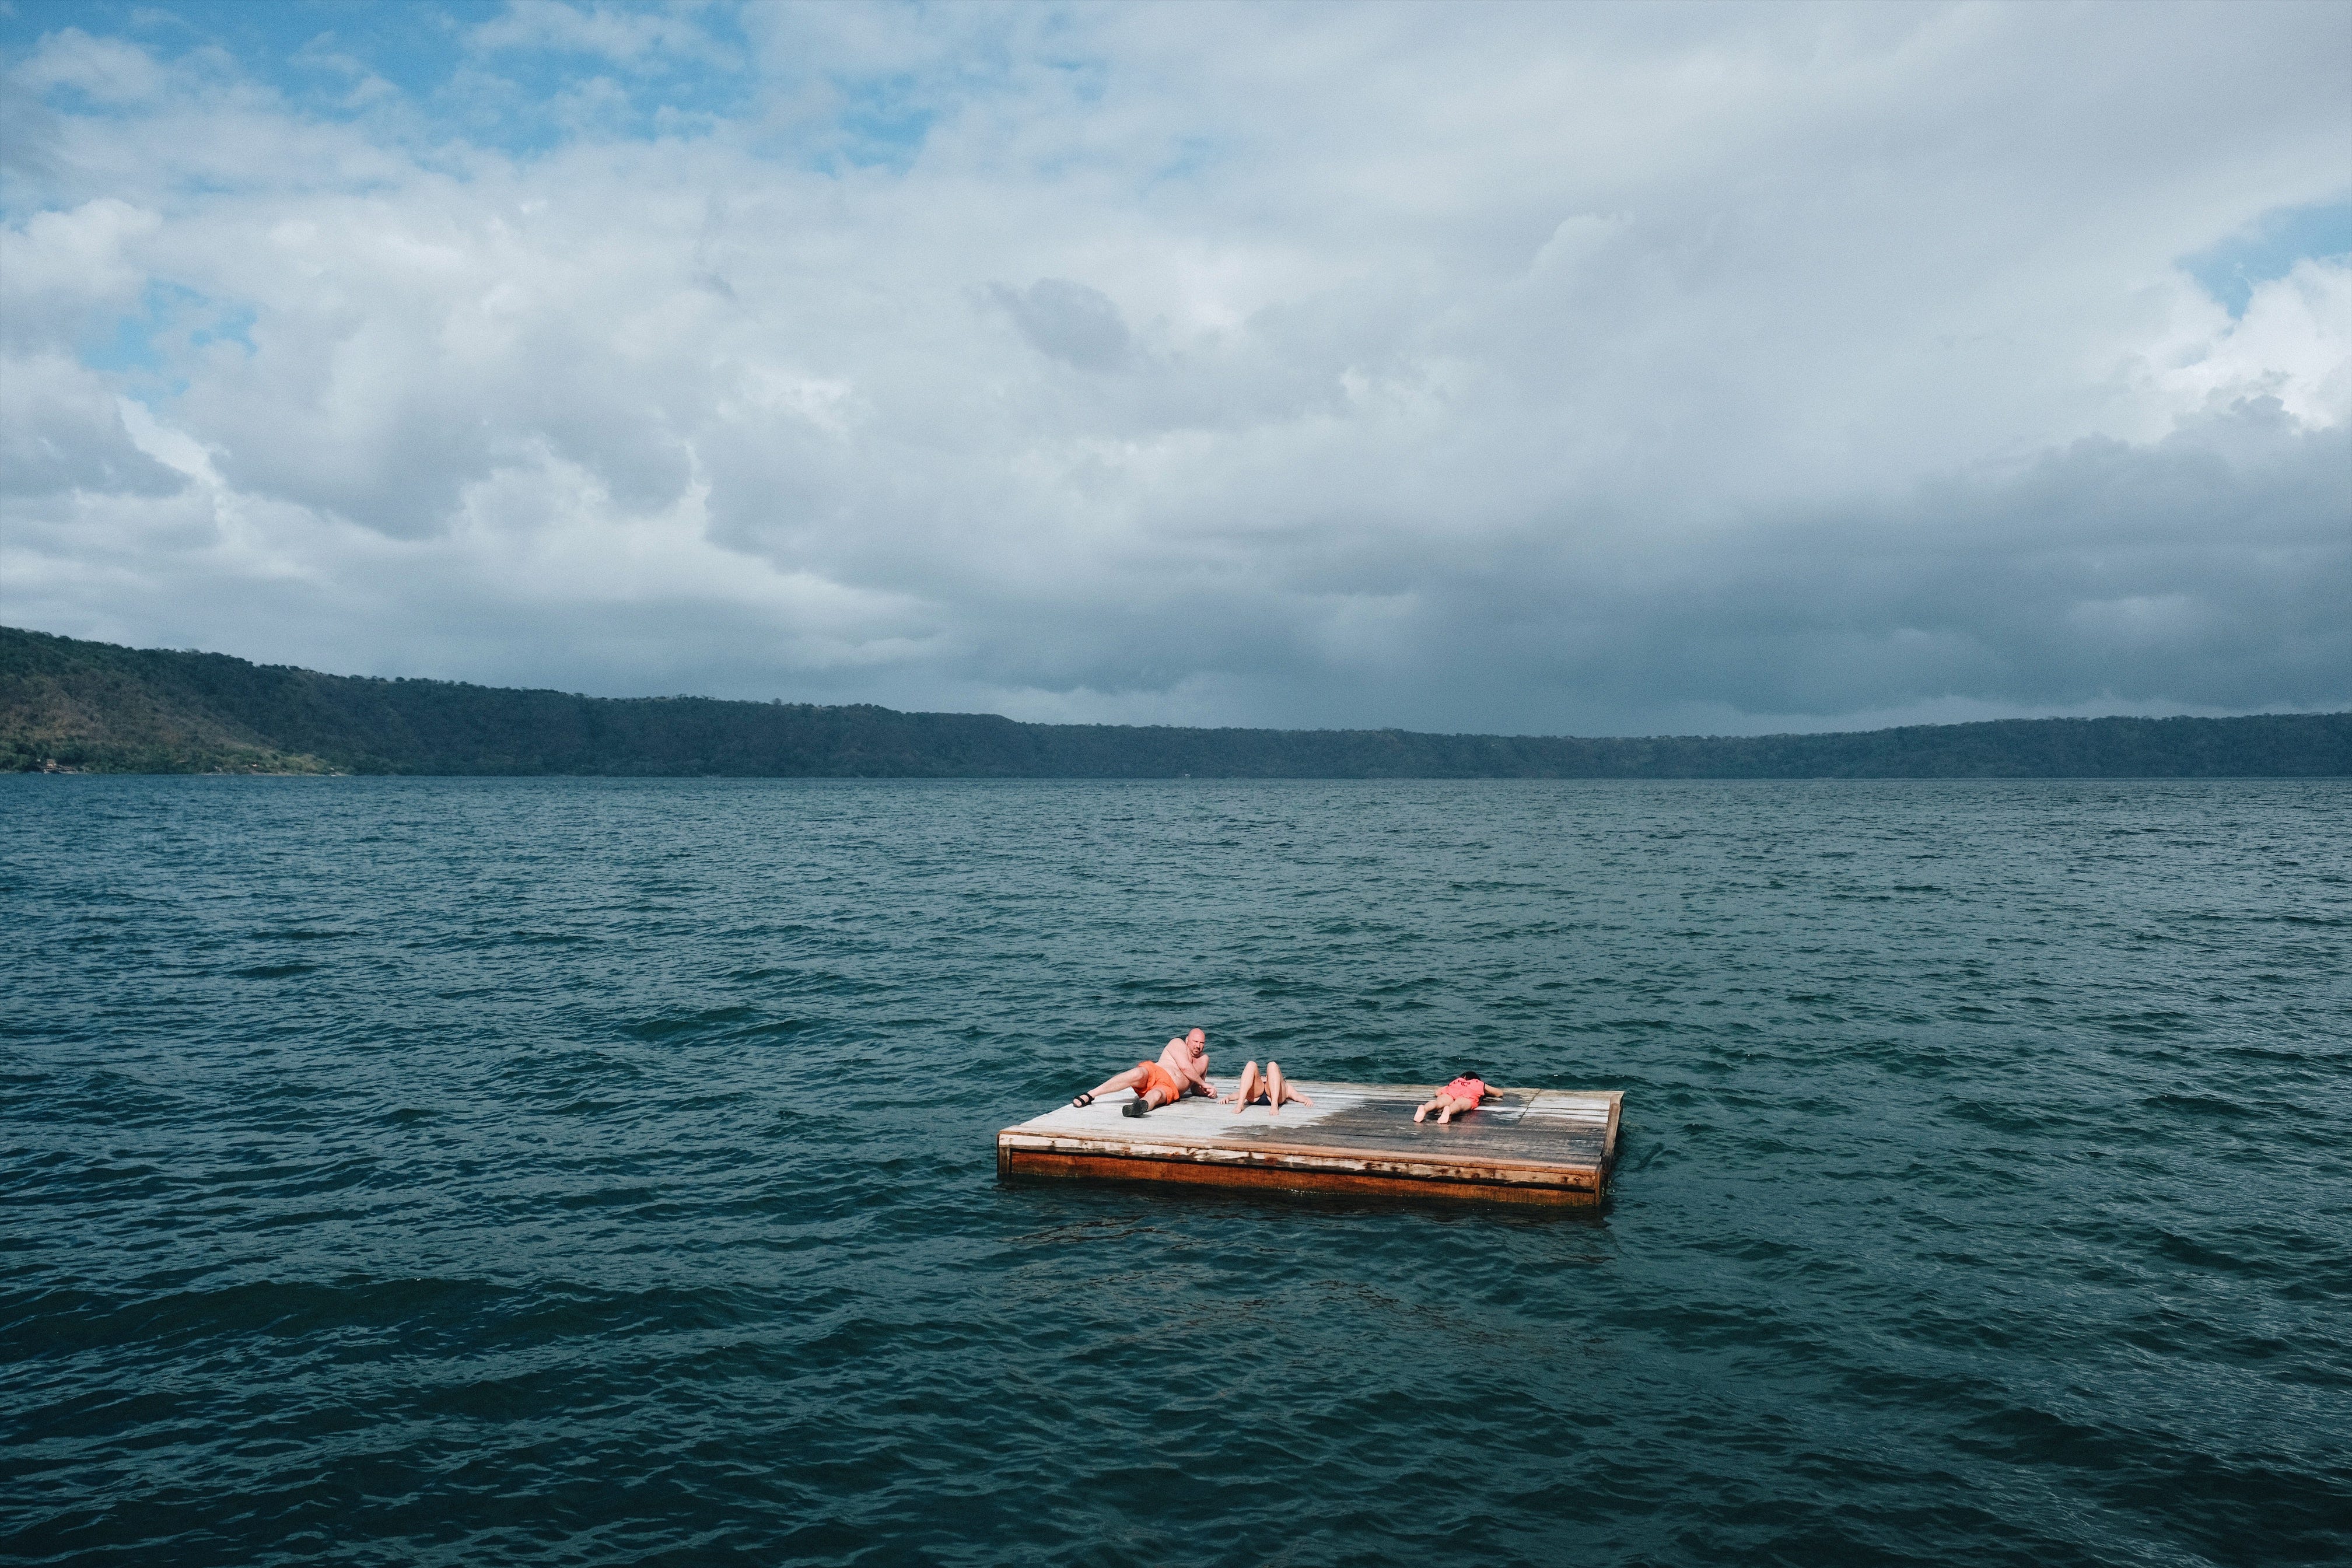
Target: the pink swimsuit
(1469, 1088)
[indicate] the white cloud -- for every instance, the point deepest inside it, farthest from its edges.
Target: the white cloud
(59, 270)
(619, 33)
(2293, 344)
(107, 71)
(1513, 368)
(61, 431)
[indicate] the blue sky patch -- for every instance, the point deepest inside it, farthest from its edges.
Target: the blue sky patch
(2269, 248)
(314, 53)
(880, 125)
(413, 47)
(171, 321)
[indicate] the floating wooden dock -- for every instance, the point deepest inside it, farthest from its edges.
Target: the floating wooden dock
(1522, 1146)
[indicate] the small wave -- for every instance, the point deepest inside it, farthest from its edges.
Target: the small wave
(1953, 1222)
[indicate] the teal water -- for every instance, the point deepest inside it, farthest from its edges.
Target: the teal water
(591, 1172)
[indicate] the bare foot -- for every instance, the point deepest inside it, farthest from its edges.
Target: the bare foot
(1420, 1113)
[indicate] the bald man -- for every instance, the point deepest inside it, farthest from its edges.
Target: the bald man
(1182, 1068)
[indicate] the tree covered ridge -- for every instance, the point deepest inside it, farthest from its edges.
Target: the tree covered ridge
(70, 704)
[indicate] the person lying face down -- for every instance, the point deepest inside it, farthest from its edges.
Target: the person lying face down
(1182, 1067)
(1269, 1086)
(1462, 1094)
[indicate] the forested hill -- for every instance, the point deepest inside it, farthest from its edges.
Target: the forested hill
(67, 704)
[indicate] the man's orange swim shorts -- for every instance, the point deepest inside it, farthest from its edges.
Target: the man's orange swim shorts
(1170, 1086)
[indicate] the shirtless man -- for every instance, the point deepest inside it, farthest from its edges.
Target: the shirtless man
(1182, 1067)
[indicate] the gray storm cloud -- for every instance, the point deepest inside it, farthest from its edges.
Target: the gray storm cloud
(1528, 369)
(1067, 321)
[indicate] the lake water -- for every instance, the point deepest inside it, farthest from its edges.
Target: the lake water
(591, 1172)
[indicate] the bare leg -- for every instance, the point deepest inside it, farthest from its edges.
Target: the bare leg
(1453, 1107)
(1247, 1089)
(1279, 1089)
(1148, 1101)
(1127, 1079)
(1427, 1106)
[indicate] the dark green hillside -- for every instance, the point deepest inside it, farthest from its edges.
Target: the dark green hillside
(67, 704)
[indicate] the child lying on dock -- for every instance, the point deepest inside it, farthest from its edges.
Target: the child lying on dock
(1182, 1067)
(1269, 1086)
(1462, 1094)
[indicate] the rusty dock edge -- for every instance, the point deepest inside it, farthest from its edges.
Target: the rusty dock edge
(1032, 1153)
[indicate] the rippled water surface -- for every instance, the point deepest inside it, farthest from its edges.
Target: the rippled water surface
(554, 1171)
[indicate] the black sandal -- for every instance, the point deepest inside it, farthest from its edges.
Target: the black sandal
(1080, 1101)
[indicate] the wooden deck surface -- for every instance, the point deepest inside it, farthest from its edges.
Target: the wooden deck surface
(1522, 1146)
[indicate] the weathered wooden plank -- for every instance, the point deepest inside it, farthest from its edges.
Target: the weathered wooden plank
(1277, 1178)
(1442, 1164)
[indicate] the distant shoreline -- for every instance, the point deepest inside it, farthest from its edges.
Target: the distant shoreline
(345, 773)
(72, 706)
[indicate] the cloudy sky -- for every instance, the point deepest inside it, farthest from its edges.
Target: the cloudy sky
(1545, 369)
